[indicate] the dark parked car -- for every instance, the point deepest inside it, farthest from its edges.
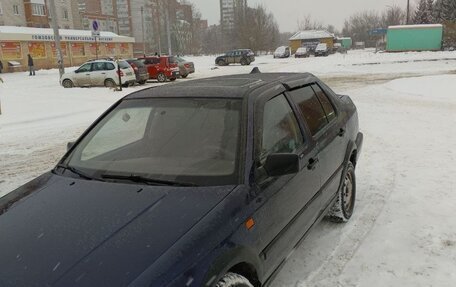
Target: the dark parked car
(208, 183)
(185, 67)
(141, 73)
(240, 56)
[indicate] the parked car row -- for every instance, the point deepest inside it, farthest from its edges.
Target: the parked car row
(106, 72)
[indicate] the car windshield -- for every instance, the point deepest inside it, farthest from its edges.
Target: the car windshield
(181, 140)
(280, 50)
(180, 60)
(123, 64)
(138, 63)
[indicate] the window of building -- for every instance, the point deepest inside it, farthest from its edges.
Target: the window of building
(16, 9)
(311, 109)
(38, 10)
(65, 14)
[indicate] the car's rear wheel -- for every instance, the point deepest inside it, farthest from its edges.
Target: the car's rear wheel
(67, 83)
(184, 76)
(233, 280)
(343, 208)
(244, 62)
(109, 83)
(142, 82)
(172, 79)
(161, 77)
(221, 63)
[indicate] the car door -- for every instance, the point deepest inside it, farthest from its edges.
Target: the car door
(82, 75)
(98, 74)
(237, 57)
(288, 209)
(332, 144)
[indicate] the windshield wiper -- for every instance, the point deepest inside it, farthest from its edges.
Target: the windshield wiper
(75, 171)
(146, 180)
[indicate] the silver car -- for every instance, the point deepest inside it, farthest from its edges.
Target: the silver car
(99, 73)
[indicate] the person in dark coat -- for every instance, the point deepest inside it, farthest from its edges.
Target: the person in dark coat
(1, 67)
(31, 66)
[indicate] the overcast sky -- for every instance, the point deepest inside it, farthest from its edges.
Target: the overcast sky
(287, 12)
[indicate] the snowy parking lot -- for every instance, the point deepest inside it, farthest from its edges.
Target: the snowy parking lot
(403, 231)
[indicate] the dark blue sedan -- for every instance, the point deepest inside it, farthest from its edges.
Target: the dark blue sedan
(205, 183)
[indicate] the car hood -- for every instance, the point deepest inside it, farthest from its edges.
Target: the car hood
(73, 232)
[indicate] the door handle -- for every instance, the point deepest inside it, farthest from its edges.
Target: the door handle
(341, 132)
(312, 163)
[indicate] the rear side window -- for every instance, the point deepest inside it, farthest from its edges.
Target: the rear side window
(311, 109)
(280, 133)
(325, 102)
(98, 66)
(110, 66)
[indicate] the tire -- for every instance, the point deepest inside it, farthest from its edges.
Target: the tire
(244, 62)
(161, 78)
(233, 280)
(343, 208)
(172, 79)
(109, 83)
(67, 83)
(184, 76)
(221, 63)
(142, 82)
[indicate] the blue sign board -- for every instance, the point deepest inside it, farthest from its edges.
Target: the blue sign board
(377, 32)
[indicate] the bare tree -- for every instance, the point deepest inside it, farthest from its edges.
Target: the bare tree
(394, 15)
(307, 23)
(359, 24)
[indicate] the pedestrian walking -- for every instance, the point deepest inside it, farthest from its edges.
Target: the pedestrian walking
(31, 66)
(1, 67)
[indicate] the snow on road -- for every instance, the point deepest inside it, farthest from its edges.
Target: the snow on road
(403, 232)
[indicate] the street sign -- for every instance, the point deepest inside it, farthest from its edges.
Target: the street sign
(95, 28)
(378, 31)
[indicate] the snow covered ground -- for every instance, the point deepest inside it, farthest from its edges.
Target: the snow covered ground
(403, 232)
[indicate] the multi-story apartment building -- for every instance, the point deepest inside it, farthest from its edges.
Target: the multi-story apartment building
(35, 13)
(12, 13)
(124, 17)
(105, 11)
(229, 10)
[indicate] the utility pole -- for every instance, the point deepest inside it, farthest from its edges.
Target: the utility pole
(168, 30)
(143, 36)
(408, 12)
(56, 37)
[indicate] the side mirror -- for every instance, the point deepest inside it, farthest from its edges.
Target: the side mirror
(70, 145)
(278, 164)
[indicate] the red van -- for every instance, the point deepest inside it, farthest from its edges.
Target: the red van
(162, 68)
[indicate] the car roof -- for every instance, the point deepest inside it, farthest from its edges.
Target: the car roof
(234, 86)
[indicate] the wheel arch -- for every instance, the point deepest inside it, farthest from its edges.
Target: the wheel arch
(236, 260)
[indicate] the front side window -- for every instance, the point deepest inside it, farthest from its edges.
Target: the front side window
(182, 140)
(311, 109)
(280, 130)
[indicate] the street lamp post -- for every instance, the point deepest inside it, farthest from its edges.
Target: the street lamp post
(408, 12)
(56, 37)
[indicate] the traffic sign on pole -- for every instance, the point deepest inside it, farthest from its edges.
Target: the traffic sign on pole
(95, 28)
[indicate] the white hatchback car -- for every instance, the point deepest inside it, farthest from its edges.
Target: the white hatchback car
(99, 73)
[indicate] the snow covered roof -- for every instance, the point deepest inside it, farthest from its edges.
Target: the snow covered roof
(311, 34)
(47, 34)
(421, 26)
